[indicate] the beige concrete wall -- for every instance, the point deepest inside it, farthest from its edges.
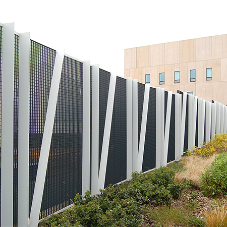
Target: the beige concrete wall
(198, 54)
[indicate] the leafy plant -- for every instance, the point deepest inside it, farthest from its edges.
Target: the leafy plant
(193, 221)
(214, 180)
(175, 189)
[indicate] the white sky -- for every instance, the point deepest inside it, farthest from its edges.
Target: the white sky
(100, 30)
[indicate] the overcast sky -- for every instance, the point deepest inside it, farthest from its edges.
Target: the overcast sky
(100, 30)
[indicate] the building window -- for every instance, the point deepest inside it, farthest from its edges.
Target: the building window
(177, 77)
(190, 92)
(192, 75)
(147, 78)
(161, 78)
(209, 73)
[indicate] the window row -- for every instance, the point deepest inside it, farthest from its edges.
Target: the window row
(177, 76)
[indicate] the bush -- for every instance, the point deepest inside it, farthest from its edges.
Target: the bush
(215, 145)
(175, 190)
(120, 205)
(214, 180)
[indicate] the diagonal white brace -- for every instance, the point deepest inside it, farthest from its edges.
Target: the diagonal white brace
(23, 130)
(46, 142)
(143, 128)
(167, 128)
(7, 125)
(183, 118)
(107, 130)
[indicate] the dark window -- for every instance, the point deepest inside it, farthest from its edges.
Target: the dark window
(177, 77)
(147, 78)
(192, 75)
(161, 78)
(209, 73)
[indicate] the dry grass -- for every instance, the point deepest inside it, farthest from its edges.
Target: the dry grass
(195, 166)
(216, 217)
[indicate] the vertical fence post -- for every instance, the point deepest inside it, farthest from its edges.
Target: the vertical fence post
(86, 128)
(134, 124)
(107, 130)
(217, 118)
(177, 126)
(192, 120)
(7, 125)
(95, 130)
(167, 128)
(201, 119)
(221, 118)
(46, 141)
(183, 118)
(23, 130)
(225, 119)
(159, 125)
(208, 121)
(213, 119)
(143, 128)
(129, 126)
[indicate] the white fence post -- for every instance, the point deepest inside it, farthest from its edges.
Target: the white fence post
(129, 126)
(134, 124)
(7, 125)
(201, 120)
(178, 108)
(86, 128)
(95, 131)
(159, 126)
(213, 119)
(208, 121)
(183, 119)
(217, 117)
(23, 130)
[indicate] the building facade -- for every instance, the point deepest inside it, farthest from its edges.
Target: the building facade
(197, 66)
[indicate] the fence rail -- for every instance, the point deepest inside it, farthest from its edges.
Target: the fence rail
(101, 128)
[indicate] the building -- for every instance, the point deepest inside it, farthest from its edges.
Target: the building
(197, 66)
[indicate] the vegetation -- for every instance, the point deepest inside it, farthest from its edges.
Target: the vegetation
(178, 195)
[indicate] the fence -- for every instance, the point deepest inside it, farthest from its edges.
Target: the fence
(90, 126)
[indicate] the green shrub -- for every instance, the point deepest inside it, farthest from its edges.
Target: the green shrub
(175, 190)
(214, 180)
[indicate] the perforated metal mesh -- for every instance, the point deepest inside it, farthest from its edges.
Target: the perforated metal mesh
(104, 81)
(149, 158)
(41, 71)
(117, 164)
(64, 174)
(141, 88)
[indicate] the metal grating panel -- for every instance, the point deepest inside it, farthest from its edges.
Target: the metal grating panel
(141, 88)
(171, 147)
(41, 69)
(116, 163)
(64, 173)
(149, 158)
(104, 81)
